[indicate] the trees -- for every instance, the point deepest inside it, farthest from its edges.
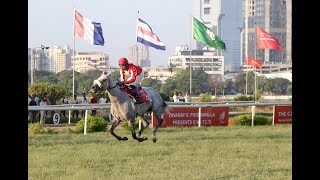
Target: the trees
(200, 82)
(180, 82)
(82, 81)
(150, 82)
(65, 78)
(277, 86)
(169, 86)
(240, 83)
(229, 87)
(216, 84)
(45, 76)
(289, 90)
(47, 88)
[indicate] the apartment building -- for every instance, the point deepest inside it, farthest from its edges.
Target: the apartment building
(85, 61)
(197, 59)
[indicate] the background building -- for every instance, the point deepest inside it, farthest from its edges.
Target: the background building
(52, 59)
(158, 73)
(199, 59)
(272, 70)
(84, 61)
(275, 17)
(227, 19)
(39, 57)
(58, 59)
(139, 55)
(224, 17)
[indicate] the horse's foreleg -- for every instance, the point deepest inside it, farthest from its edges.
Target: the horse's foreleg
(133, 131)
(160, 120)
(115, 123)
(145, 125)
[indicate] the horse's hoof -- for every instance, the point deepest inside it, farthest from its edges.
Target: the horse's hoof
(124, 138)
(154, 140)
(142, 139)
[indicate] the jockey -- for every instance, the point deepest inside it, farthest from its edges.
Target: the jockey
(135, 74)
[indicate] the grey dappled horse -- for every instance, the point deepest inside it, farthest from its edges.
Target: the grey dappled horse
(123, 107)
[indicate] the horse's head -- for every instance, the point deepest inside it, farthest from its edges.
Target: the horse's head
(101, 83)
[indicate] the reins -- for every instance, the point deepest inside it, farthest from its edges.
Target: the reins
(108, 87)
(112, 87)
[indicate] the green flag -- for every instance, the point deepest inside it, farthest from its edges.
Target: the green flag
(203, 34)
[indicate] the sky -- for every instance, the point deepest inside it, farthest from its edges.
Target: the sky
(50, 23)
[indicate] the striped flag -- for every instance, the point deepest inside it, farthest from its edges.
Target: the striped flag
(146, 36)
(88, 30)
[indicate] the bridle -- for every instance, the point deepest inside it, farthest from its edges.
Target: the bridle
(104, 82)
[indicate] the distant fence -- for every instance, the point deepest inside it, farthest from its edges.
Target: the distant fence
(263, 97)
(280, 115)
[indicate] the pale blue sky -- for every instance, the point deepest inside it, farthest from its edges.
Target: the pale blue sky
(50, 23)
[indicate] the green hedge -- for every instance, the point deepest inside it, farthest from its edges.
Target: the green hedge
(245, 120)
(126, 125)
(94, 124)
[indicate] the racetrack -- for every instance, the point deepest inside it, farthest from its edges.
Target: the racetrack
(232, 152)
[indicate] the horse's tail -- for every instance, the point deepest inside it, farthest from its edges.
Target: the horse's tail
(166, 108)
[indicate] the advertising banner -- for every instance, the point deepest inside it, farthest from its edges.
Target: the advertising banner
(188, 117)
(282, 114)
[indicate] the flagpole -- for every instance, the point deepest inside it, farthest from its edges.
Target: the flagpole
(255, 84)
(255, 73)
(247, 38)
(190, 68)
(137, 56)
(74, 47)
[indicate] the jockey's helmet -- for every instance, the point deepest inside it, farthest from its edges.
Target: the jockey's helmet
(123, 61)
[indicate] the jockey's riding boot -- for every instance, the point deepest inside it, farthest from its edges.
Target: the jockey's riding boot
(136, 93)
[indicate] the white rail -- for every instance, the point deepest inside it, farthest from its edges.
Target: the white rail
(171, 104)
(87, 107)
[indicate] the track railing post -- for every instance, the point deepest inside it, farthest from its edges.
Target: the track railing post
(253, 112)
(199, 117)
(85, 122)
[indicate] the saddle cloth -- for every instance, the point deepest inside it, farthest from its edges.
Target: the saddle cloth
(144, 95)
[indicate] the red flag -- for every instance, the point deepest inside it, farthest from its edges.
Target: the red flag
(266, 41)
(255, 63)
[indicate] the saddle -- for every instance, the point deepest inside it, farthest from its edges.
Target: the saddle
(138, 95)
